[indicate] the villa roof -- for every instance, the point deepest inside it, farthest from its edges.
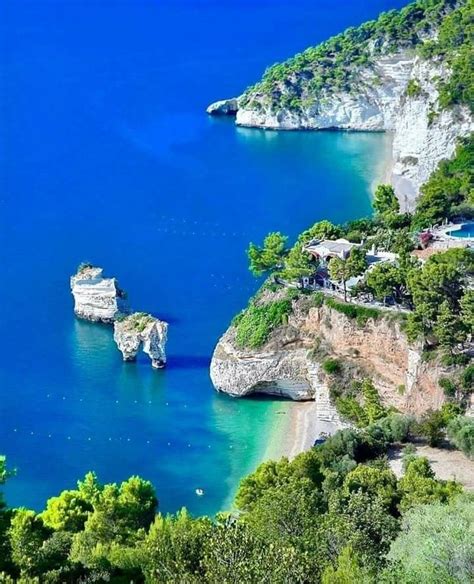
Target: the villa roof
(330, 247)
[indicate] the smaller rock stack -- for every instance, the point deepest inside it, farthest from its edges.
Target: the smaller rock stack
(100, 299)
(142, 331)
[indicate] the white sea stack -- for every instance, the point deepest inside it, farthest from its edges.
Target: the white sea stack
(141, 331)
(96, 298)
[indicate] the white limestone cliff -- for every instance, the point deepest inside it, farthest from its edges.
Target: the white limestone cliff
(271, 371)
(141, 331)
(96, 298)
(423, 133)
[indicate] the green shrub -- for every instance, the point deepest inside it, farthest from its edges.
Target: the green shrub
(355, 236)
(351, 409)
(467, 378)
(138, 321)
(372, 404)
(413, 88)
(448, 386)
(254, 325)
(293, 293)
(461, 359)
(361, 313)
(429, 354)
(433, 423)
(317, 299)
(434, 544)
(396, 426)
(461, 433)
(83, 266)
(331, 366)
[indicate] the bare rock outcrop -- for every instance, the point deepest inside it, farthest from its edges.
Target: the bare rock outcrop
(224, 107)
(96, 298)
(141, 331)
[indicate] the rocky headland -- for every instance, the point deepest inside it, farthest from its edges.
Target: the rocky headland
(290, 363)
(141, 331)
(96, 298)
(365, 80)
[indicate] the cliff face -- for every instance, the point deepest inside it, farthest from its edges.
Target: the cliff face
(384, 75)
(141, 331)
(286, 365)
(96, 298)
(423, 134)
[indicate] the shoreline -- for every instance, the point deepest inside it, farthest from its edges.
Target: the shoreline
(385, 168)
(298, 431)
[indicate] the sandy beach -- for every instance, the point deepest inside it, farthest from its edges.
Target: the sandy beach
(297, 431)
(383, 175)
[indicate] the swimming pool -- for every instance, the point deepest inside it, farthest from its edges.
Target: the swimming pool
(466, 230)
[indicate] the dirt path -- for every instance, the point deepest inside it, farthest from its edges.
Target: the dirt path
(446, 463)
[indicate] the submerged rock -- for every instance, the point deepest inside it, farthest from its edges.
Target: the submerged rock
(142, 331)
(96, 298)
(224, 107)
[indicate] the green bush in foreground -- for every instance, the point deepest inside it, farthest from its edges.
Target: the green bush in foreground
(329, 515)
(436, 545)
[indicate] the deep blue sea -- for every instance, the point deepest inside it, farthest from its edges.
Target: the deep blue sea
(107, 156)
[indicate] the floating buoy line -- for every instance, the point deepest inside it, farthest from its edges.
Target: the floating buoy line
(147, 402)
(194, 229)
(190, 227)
(109, 439)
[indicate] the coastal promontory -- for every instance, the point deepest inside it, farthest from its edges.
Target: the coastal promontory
(317, 351)
(408, 73)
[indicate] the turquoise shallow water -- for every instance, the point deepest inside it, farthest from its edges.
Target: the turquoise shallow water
(107, 156)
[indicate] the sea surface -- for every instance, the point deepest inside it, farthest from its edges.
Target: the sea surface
(107, 156)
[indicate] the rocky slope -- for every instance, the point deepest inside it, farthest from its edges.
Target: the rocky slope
(289, 365)
(96, 298)
(395, 90)
(140, 331)
(422, 133)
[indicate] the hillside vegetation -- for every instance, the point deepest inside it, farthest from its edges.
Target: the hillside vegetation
(334, 65)
(334, 514)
